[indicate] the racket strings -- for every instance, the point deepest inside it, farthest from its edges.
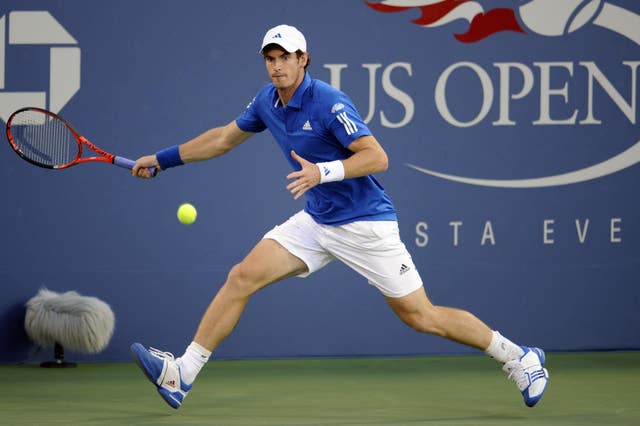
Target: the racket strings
(44, 139)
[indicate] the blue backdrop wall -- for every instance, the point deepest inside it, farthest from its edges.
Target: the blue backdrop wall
(512, 132)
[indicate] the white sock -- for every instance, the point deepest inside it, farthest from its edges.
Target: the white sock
(502, 349)
(194, 358)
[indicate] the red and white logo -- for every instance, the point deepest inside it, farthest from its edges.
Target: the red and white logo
(542, 17)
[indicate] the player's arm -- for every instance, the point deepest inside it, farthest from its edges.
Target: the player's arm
(213, 143)
(368, 157)
(210, 144)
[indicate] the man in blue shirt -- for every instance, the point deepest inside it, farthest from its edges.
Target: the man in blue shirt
(347, 216)
(318, 124)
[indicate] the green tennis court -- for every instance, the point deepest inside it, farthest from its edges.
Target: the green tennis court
(584, 389)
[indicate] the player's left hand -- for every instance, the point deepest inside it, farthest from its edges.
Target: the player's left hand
(305, 178)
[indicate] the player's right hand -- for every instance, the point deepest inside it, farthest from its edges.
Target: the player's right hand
(143, 165)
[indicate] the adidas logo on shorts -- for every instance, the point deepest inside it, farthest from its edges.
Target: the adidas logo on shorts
(404, 268)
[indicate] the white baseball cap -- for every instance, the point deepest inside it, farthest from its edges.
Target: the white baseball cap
(286, 36)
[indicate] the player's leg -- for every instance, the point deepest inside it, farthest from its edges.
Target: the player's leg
(287, 250)
(417, 311)
(267, 263)
(524, 365)
(374, 249)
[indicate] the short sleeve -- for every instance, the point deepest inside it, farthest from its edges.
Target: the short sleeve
(249, 120)
(345, 121)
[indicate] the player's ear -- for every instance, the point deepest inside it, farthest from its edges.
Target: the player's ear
(304, 56)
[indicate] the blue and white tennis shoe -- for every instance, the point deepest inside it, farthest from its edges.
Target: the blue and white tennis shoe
(163, 371)
(529, 374)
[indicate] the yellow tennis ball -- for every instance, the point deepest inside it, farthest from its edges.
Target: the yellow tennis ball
(187, 213)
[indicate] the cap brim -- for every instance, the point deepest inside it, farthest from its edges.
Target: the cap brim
(286, 46)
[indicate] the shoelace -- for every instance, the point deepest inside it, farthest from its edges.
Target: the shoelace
(516, 373)
(161, 354)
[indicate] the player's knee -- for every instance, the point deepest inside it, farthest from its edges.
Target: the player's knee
(425, 320)
(241, 281)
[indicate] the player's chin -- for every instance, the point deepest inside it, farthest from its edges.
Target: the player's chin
(280, 83)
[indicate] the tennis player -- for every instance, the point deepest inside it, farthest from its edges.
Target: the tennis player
(347, 216)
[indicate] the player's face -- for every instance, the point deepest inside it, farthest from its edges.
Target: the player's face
(285, 69)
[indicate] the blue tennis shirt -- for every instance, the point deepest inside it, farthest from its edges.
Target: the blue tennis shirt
(319, 123)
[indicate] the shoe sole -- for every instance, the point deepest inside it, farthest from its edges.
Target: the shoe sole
(531, 402)
(542, 357)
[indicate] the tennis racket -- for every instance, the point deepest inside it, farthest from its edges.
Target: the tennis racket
(47, 140)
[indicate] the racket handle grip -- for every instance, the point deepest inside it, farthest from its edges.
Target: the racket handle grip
(128, 164)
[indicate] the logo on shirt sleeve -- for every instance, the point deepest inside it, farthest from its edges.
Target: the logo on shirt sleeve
(337, 107)
(349, 126)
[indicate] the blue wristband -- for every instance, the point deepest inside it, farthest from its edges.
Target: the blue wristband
(169, 157)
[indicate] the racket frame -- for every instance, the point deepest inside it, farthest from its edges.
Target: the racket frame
(105, 157)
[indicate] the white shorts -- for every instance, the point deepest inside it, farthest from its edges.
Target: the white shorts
(371, 248)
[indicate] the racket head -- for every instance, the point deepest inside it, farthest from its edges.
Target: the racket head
(43, 138)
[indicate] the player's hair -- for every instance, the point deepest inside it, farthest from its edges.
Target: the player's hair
(299, 54)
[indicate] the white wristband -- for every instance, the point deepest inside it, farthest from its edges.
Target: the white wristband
(331, 171)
